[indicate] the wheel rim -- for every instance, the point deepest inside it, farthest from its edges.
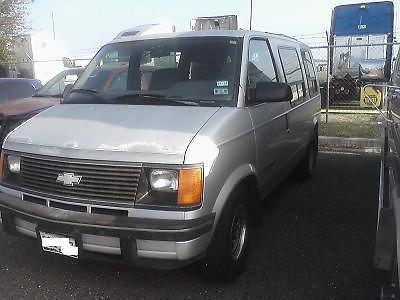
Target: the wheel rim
(238, 232)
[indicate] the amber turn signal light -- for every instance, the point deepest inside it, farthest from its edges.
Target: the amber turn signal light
(190, 186)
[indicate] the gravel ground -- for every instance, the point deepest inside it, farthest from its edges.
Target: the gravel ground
(316, 242)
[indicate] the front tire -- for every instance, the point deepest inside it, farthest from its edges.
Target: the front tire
(227, 252)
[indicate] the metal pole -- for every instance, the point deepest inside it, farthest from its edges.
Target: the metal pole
(54, 30)
(328, 53)
(386, 99)
(251, 12)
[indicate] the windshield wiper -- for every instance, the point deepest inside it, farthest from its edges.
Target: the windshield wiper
(94, 93)
(85, 91)
(157, 97)
(48, 96)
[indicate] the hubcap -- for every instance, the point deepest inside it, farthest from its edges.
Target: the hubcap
(238, 231)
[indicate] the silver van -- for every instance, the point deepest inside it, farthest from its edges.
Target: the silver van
(164, 148)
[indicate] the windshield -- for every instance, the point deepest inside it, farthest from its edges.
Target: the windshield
(201, 70)
(55, 87)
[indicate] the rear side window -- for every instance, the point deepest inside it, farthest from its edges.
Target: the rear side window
(292, 70)
(260, 67)
(310, 73)
(19, 90)
(3, 93)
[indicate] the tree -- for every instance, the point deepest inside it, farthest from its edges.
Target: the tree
(12, 25)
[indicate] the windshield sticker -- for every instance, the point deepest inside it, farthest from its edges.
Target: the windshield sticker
(223, 83)
(221, 91)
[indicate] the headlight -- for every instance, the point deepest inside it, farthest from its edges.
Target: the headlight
(170, 187)
(164, 180)
(14, 164)
(10, 168)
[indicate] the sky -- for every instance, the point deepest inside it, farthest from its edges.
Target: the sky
(83, 26)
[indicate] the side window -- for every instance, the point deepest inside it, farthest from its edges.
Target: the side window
(310, 73)
(260, 67)
(3, 93)
(19, 90)
(292, 70)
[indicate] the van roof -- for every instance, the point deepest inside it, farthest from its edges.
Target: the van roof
(204, 33)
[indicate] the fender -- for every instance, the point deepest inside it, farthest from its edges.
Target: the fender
(233, 180)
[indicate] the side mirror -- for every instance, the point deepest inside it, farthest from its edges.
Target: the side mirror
(67, 89)
(273, 92)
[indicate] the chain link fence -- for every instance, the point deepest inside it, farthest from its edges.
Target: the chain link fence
(349, 64)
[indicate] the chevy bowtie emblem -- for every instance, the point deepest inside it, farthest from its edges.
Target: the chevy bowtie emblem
(69, 179)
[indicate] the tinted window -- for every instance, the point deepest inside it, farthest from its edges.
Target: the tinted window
(261, 66)
(292, 70)
(199, 70)
(3, 93)
(310, 73)
(19, 89)
(119, 82)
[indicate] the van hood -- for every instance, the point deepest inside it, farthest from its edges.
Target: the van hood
(139, 133)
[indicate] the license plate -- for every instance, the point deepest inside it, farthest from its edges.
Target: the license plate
(59, 244)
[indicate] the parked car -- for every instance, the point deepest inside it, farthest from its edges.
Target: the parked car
(169, 169)
(17, 88)
(13, 113)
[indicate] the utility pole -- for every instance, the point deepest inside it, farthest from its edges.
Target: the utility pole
(251, 12)
(54, 30)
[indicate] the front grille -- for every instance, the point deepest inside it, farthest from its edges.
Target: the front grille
(106, 183)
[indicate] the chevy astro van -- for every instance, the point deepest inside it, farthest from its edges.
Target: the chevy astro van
(168, 164)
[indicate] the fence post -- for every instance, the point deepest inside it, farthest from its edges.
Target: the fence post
(327, 83)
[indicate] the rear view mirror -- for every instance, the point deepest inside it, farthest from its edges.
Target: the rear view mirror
(273, 92)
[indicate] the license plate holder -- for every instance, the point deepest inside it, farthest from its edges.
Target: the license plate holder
(59, 244)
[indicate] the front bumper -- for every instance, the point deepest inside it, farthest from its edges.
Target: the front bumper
(156, 243)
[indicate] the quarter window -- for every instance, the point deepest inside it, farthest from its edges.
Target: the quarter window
(260, 67)
(292, 70)
(310, 73)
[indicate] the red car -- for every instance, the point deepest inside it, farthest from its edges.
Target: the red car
(13, 113)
